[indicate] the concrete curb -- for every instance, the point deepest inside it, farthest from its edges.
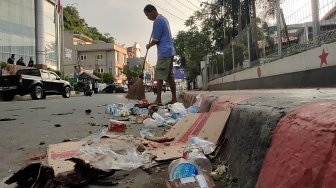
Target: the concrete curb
(256, 131)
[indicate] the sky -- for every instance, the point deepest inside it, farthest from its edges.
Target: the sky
(126, 22)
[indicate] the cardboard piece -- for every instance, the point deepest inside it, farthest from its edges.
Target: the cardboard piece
(57, 153)
(208, 126)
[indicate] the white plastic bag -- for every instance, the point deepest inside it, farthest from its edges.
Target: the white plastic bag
(150, 123)
(207, 146)
(178, 108)
(113, 154)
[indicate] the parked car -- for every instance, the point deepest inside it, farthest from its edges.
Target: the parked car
(125, 88)
(114, 88)
(37, 82)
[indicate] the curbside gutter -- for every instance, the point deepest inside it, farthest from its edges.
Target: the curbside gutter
(270, 146)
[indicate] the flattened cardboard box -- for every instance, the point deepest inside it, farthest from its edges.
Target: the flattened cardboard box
(57, 153)
(208, 126)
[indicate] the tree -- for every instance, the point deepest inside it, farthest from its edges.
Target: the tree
(192, 47)
(132, 72)
(73, 22)
(108, 78)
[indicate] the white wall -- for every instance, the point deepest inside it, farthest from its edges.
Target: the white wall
(300, 62)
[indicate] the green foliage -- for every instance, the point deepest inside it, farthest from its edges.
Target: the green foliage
(191, 46)
(73, 21)
(3, 64)
(79, 86)
(131, 72)
(108, 78)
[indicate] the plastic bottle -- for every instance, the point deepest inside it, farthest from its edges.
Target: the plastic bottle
(182, 168)
(150, 123)
(195, 154)
(159, 119)
(193, 109)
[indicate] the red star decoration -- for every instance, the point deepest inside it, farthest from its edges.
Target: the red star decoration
(323, 58)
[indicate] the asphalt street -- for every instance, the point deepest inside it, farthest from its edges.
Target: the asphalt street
(28, 126)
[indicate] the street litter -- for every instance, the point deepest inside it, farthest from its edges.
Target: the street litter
(35, 175)
(119, 110)
(146, 132)
(88, 111)
(39, 156)
(159, 139)
(116, 126)
(58, 125)
(206, 126)
(114, 153)
(201, 181)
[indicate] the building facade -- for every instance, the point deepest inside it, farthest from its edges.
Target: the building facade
(100, 57)
(26, 27)
(134, 51)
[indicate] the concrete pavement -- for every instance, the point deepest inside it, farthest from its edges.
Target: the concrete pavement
(277, 138)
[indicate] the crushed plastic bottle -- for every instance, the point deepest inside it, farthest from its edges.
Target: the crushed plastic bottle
(195, 154)
(150, 123)
(193, 109)
(159, 119)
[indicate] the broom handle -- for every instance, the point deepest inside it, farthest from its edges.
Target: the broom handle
(143, 66)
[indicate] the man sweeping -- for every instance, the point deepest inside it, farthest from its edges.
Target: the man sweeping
(162, 38)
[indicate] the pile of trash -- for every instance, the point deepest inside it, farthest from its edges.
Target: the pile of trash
(95, 159)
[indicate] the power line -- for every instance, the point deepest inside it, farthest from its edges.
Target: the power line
(193, 4)
(185, 5)
(166, 11)
(176, 8)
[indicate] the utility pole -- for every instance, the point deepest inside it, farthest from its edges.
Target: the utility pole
(279, 27)
(315, 18)
(223, 38)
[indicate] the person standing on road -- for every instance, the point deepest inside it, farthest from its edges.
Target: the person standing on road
(162, 38)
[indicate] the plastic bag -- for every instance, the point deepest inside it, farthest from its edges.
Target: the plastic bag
(159, 119)
(110, 154)
(177, 116)
(150, 123)
(163, 112)
(207, 146)
(177, 108)
(146, 132)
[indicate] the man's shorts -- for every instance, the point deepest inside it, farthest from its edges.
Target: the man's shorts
(164, 69)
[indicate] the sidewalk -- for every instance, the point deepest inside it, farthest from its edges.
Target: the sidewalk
(277, 137)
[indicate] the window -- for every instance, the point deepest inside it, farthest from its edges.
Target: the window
(101, 70)
(45, 75)
(99, 56)
(83, 57)
(52, 76)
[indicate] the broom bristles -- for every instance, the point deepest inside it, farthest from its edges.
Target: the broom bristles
(136, 91)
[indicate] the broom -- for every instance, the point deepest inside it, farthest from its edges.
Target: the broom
(137, 90)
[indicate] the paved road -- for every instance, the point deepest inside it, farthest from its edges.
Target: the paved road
(32, 128)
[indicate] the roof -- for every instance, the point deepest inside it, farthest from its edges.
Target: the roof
(86, 75)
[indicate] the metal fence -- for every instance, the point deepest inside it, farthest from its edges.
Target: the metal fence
(259, 42)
